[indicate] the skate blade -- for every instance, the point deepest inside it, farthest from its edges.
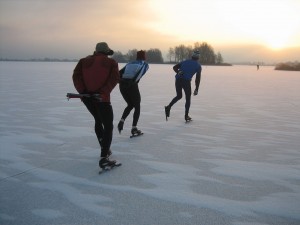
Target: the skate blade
(136, 135)
(116, 164)
(108, 168)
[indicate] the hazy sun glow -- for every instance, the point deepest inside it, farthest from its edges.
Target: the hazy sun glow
(272, 23)
(264, 29)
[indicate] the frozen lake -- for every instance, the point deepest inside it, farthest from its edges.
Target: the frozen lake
(237, 162)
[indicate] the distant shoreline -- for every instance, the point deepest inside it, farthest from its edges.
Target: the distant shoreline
(76, 60)
(39, 60)
(278, 66)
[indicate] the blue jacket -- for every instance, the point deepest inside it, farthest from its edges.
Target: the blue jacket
(187, 69)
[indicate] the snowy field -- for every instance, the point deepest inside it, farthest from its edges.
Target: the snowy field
(237, 162)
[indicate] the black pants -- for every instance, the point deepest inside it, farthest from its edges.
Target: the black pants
(186, 86)
(103, 115)
(132, 96)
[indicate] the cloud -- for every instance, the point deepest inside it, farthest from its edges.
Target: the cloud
(71, 29)
(66, 28)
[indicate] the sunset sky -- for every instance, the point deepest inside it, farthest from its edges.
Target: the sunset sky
(245, 30)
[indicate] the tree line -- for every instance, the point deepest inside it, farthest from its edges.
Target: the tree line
(153, 55)
(175, 54)
(288, 66)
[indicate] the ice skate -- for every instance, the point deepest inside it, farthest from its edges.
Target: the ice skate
(120, 126)
(187, 118)
(135, 132)
(106, 164)
(167, 112)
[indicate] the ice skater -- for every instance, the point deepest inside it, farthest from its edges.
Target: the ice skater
(185, 71)
(131, 74)
(97, 75)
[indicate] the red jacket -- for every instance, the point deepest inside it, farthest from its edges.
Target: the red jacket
(96, 74)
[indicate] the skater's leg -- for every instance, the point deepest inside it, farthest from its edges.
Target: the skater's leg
(126, 93)
(92, 108)
(106, 113)
(125, 114)
(136, 99)
(178, 87)
(188, 92)
(127, 111)
(136, 115)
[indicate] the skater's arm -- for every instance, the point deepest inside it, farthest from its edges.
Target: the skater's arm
(176, 68)
(114, 78)
(122, 71)
(78, 78)
(197, 81)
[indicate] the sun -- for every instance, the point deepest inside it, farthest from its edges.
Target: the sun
(276, 43)
(270, 35)
(271, 23)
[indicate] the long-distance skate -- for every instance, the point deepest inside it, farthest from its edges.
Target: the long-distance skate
(187, 119)
(106, 165)
(135, 132)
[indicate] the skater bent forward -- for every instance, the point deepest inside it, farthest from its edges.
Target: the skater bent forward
(185, 71)
(131, 74)
(98, 74)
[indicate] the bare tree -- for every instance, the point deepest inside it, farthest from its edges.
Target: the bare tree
(171, 54)
(154, 55)
(182, 52)
(175, 54)
(207, 55)
(119, 57)
(219, 58)
(131, 55)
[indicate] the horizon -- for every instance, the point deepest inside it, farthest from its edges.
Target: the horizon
(236, 58)
(45, 29)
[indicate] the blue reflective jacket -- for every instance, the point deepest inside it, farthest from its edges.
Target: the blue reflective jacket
(189, 68)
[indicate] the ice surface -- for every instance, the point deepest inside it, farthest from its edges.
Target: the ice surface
(237, 162)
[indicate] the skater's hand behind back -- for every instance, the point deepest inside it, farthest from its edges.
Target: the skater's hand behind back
(195, 92)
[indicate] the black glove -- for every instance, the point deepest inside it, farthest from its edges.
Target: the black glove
(195, 92)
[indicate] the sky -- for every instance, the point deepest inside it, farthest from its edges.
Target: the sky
(244, 30)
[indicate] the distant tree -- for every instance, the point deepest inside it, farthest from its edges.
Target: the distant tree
(207, 55)
(179, 53)
(182, 52)
(175, 54)
(288, 66)
(171, 54)
(219, 58)
(154, 55)
(131, 55)
(119, 57)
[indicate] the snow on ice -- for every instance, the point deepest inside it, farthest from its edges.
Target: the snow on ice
(236, 163)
